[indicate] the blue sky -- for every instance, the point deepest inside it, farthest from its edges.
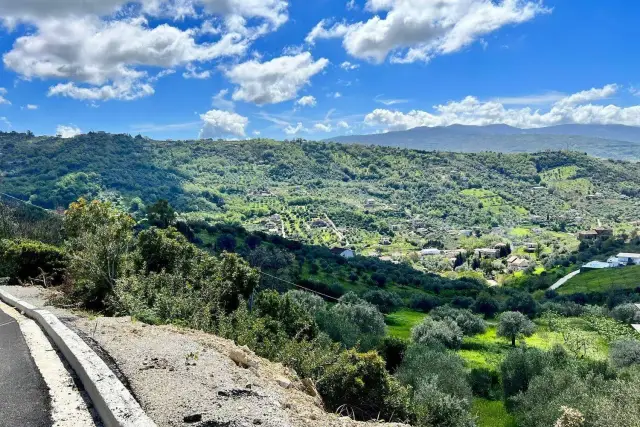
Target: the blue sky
(185, 69)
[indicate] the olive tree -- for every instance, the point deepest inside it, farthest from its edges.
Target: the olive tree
(514, 325)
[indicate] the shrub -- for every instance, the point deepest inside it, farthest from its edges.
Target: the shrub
(354, 324)
(519, 367)
(385, 301)
(24, 260)
(626, 313)
(470, 324)
(423, 363)
(435, 333)
(486, 304)
(293, 319)
(434, 408)
(359, 383)
(625, 353)
(392, 350)
(311, 303)
(485, 383)
(522, 302)
(425, 303)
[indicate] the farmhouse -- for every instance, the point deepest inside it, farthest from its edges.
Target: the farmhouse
(429, 252)
(604, 231)
(530, 246)
(628, 258)
(369, 203)
(343, 252)
(487, 253)
(587, 235)
(518, 264)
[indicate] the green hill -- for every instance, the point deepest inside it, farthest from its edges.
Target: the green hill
(604, 280)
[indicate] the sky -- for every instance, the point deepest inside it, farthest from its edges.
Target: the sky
(313, 69)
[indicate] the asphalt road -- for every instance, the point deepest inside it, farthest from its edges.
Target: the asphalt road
(24, 397)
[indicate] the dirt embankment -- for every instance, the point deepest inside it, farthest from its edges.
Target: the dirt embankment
(190, 378)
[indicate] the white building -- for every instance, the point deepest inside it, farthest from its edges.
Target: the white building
(429, 252)
(625, 258)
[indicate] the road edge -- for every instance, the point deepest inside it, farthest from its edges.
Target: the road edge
(114, 403)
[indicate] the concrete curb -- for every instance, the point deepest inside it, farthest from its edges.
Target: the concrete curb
(112, 400)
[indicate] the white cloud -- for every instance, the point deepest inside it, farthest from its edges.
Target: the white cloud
(418, 30)
(274, 81)
(307, 101)
(221, 102)
(68, 131)
(30, 107)
(351, 5)
(290, 130)
(110, 44)
(6, 122)
(125, 91)
(335, 95)
(256, 132)
(322, 127)
(3, 93)
(293, 50)
(320, 32)
(218, 123)
(576, 108)
(346, 65)
(389, 102)
(192, 72)
(343, 125)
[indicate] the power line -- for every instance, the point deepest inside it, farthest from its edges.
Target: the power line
(300, 286)
(29, 204)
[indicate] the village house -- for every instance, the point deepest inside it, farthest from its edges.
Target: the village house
(487, 253)
(385, 241)
(369, 203)
(603, 231)
(319, 223)
(429, 252)
(455, 252)
(530, 247)
(587, 235)
(343, 252)
(466, 233)
(628, 258)
(518, 264)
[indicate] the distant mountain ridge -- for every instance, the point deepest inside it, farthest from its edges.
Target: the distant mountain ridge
(606, 141)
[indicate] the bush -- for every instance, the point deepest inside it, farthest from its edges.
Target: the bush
(486, 304)
(438, 333)
(625, 353)
(385, 301)
(425, 303)
(359, 383)
(470, 324)
(309, 302)
(352, 324)
(626, 313)
(293, 319)
(24, 260)
(485, 383)
(392, 350)
(434, 408)
(519, 367)
(446, 368)
(522, 302)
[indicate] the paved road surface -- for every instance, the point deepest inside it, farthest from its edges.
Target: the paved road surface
(564, 280)
(24, 397)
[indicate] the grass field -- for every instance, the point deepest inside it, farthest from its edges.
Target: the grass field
(492, 413)
(401, 322)
(603, 280)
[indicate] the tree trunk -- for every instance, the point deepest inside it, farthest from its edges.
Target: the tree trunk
(513, 341)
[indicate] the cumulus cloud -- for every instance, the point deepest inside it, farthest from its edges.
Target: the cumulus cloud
(346, 65)
(576, 108)
(307, 101)
(291, 130)
(68, 131)
(29, 107)
(335, 95)
(218, 123)
(125, 91)
(3, 93)
(418, 30)
(322, 127)
(192, 72)
(110, 44)
(274, 81)
(343, 125)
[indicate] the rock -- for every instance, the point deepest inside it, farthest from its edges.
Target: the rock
(283, 382)
(310, 387)
(242, 357)
(193, 418)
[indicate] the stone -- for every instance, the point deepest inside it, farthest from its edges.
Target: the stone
(242, 357)
(193, 418)
(283, 382)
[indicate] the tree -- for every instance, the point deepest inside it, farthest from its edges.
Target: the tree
(99, 239)
(226, 242)
(470, 324)
(354, 324)
(486, 304)
(625, 353)
(514, 325)
(626, 313)
(434, 333)
(385, 301)
(161, 214)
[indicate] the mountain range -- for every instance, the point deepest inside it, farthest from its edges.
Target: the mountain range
(605, 141)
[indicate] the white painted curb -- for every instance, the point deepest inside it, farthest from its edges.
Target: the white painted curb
(112, 400)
